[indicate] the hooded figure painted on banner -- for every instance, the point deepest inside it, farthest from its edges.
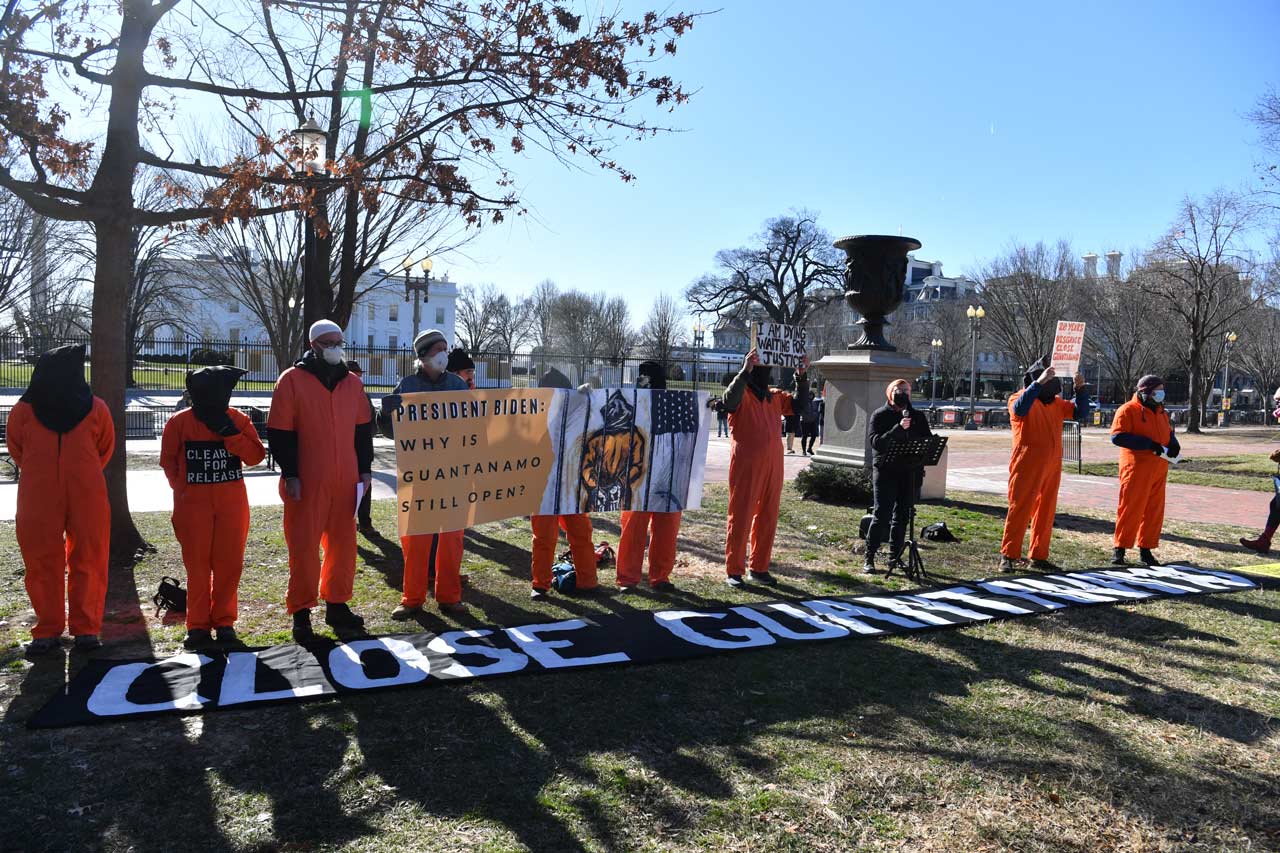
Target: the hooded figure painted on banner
(613, 458)
(201, 451)
(656, 530)
(546, 530)
(61, 437)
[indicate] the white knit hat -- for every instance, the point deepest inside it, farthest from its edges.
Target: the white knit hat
(323, 327)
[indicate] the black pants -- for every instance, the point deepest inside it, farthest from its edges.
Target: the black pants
(895, 493)
(808, 435)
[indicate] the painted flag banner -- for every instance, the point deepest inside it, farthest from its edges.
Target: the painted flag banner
(779, 345)
(468, 457)
(108, 691)
(1068, 346)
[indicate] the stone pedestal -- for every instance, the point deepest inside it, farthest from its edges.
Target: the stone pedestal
(855, 388)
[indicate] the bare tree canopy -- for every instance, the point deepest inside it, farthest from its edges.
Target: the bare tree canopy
(1203, 272)
(512, 321)
(1128, 330)
(1025, 292)
(789, 268)
(476, 317)
(1257, 353)
(453, 84)
(663, 331)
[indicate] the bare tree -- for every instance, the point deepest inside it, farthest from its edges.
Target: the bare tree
(578, 326)
(32, 249)
(1127, 330)
(1266, 118)
(1202, 271)
(1257, 352)
(663, 331)
(64, 313)
(952, 360)
(476, 316)
(256, 264)
(789, 268)
(542, 314)
(616, 335)
(1025, 292)
(512, 320)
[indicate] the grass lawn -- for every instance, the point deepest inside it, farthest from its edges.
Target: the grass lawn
(1249, 471)
(1141, 727)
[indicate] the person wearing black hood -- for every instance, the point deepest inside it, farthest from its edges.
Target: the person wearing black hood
(61, 437)
(202, 451)
(1035, 466)
(893, 484)
(321, 435)
(461, 365)
(661, 529)
(755, 465)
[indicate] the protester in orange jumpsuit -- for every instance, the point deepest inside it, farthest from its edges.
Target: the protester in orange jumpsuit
(432, 562)
(1142, 431)
(61, 437)
(576, 526)
(1035, 466)
(755, 465)
(202, 451)
(321, 435)
(660, 528)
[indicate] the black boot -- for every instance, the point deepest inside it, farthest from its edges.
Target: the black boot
(1117, 558)
(1147, 558)
(302, 632)
(340, 616)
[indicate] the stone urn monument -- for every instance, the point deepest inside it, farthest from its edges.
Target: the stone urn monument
(875, 283)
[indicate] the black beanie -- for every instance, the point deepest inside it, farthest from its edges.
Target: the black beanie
(459, 360)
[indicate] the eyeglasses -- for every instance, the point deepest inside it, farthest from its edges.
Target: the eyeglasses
(334, 345)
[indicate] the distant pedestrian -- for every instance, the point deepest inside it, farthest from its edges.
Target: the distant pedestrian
(722, 418)
(1263, 543)
(810, 421)
(1084, 410)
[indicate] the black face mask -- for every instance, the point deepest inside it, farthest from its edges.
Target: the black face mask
(901, 399)
(1050, 389)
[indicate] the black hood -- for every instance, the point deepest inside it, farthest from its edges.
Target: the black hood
(58, 393)
(1034, 370)
(328, 374)
(210, 389)
(653, 371)
(554, 379)
(759, 381)
(459, 360)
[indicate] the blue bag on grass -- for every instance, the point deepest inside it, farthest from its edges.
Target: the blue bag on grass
(563, 577)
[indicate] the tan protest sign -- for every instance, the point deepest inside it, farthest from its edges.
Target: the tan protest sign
(779, 345)
(1068, 345)
(467, 457)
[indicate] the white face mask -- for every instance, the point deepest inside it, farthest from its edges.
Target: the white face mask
(333, 355)
(437, 363)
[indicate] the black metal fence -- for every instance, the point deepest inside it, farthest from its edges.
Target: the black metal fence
(162, 364)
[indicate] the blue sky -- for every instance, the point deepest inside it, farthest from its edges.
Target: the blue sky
(964, 125)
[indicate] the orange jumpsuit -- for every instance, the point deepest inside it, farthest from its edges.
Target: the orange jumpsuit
(1035, 471)
(755, 480)
(661, 530)
(210, 510)
(417, 565)
(325, 422)
(546, 535)
(1142, 476)
(62, 493)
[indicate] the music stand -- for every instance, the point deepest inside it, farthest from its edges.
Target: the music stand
(914, 453)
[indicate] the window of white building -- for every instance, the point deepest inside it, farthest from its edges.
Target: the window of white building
(395, 313)
(439, 316)
(392, 341)
(233, 307)
(373, 311)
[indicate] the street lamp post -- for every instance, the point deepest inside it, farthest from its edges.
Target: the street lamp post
(412, 288)
(699, 335)
(934, 346)
(1232, 337)
(312, 145)
(975, 316)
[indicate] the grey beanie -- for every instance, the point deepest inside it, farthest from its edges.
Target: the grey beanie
(427, 339)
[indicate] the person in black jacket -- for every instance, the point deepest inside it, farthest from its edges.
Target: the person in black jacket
(894, 485)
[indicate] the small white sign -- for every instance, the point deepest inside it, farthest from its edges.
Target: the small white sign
(779, 345)
(1068, 345)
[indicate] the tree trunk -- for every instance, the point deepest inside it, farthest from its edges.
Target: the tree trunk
(108, 361)
(1194, 410)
